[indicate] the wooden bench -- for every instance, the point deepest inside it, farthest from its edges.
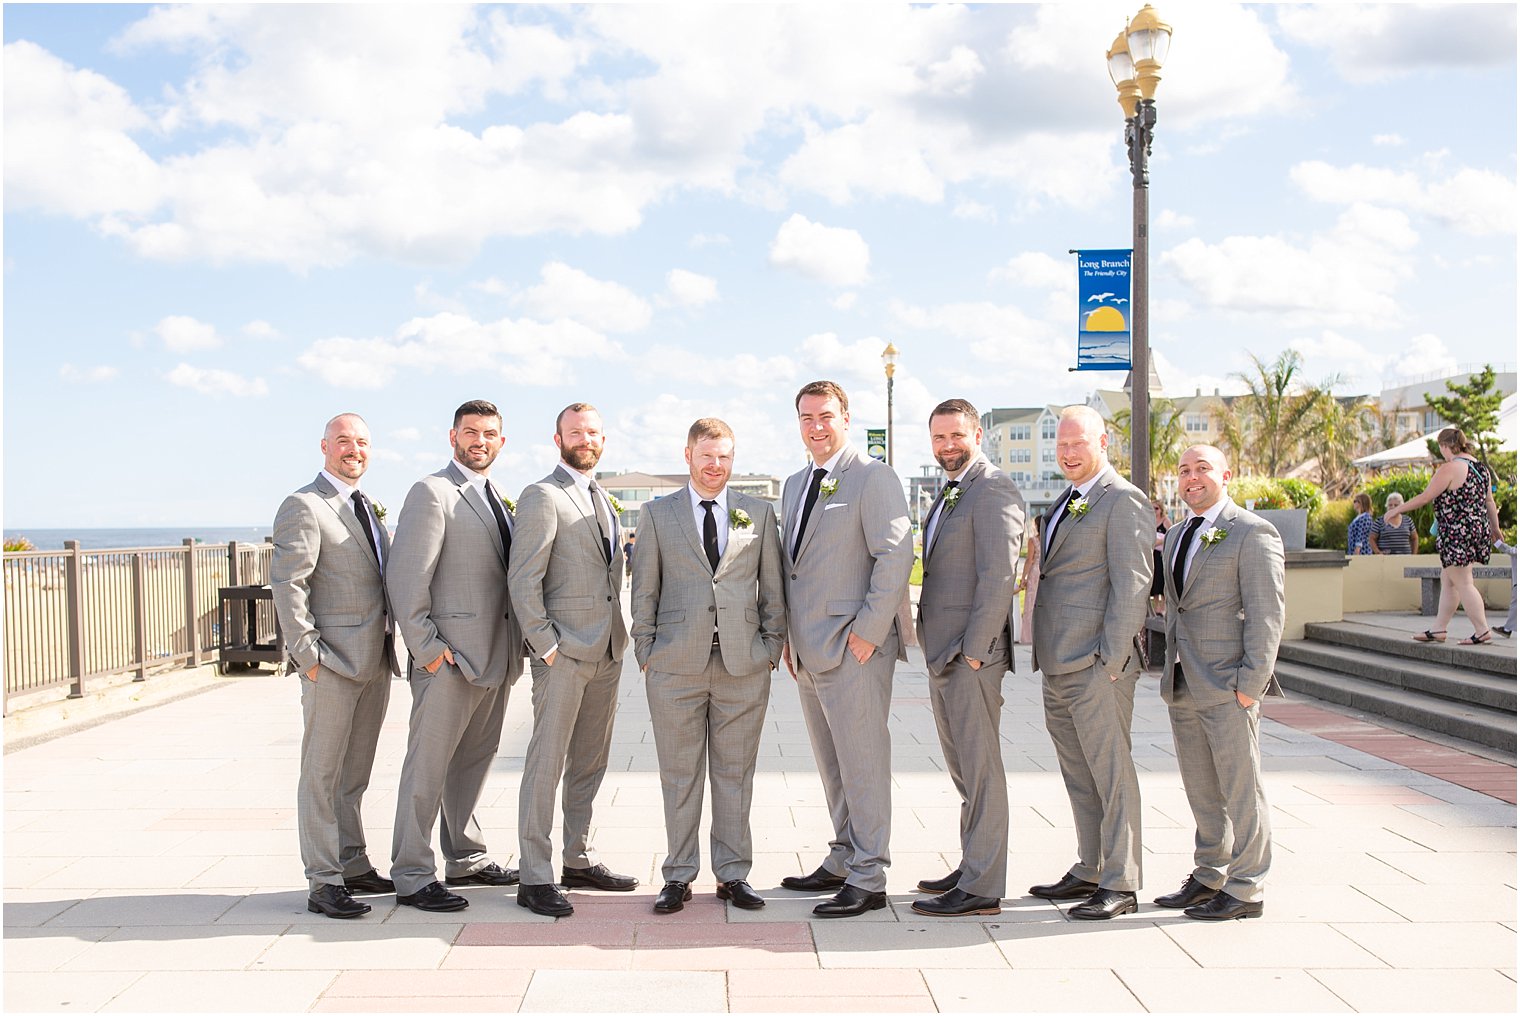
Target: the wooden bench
(1430, 583)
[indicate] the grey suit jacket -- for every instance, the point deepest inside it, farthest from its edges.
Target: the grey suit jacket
(851, 574)
(448, 580)
(1225, 625)
(677, 596)
(968, 595)
(1094, 580)
(328, 591)
(563, 587)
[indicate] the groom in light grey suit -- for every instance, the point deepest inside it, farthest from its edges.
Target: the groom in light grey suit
(708, 623)
(448, 580)
(971, 538)
(849, 550)
(1095, 575)
(1224, 622)
(567, 586)
(329, 593)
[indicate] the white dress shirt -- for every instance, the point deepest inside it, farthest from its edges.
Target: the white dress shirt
(347, 491)
(1083, 489)
(939, 509)
(720, 514)
(1210, 517)
(828, 468)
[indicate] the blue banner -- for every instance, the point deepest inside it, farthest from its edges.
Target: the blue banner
(1103, 309)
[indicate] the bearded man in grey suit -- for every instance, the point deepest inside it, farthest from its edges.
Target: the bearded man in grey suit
(1224, 622)
(849, 554)
(448, 580)
(708, 623)
(971, 539)
(567, 586)
(1095, 575)
(327, 577)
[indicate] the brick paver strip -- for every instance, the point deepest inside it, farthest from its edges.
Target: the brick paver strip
(1450, 764)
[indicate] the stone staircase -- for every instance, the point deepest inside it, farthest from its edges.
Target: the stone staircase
(1459, 691)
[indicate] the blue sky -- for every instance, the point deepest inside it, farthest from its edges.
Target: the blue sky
(225, 224)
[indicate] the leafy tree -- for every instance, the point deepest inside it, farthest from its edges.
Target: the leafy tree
(1166, 439)
(1473, 407)
(1277, 411)
(1339, 430)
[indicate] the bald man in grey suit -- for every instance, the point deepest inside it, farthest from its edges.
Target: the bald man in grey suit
(1095, 575)
(971, 539)
(448, 580)
(567, 586)
(1224, 622)
(708, 623)
(327, 578)
(849, 550)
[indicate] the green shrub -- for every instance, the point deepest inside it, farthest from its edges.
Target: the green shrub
(1303, 494)
(1327, 526)
(1266, 492)
(19, 543)
(1408, 482)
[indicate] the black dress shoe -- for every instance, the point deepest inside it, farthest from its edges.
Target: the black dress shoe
(672, 898)
(1223, 907)
(544, 899)
(1192, 893)
(940, 885)
(369, 882)
(597, 877)
(955, 903)
(1507, 633)
(819, 881)
(1105, 905)
(434, 897)
(851, 901)
(335, 901)
(741, 894)
(1070, 887)
(491, 874)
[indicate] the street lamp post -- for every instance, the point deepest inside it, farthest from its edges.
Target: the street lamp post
(889, 361)
(1134, 63)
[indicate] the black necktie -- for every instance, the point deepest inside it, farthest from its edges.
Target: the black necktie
(497, 509)
(362, 510)
(939, 511)
(807, 508)
(1060, 517)
(1179, 562)
(596, 513)
(710, 534)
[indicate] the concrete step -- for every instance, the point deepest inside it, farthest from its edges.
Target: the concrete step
(1496, 658)
(1456, 684)
(1480, 724)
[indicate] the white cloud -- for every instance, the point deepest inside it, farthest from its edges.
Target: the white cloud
(1424, 355)
(845, 301)
(181, 334)
(1037, 270)
(831, 255)
(1373, 42)
(1388, 140)
(569, 293)
(740, 371)
(407, 434)
(1478, 202)
(87, 375)
(1169, 219)
(1348, 275)
(688, 289)
(260, 330)
(699, 240)
(210, 381)
(974, 211)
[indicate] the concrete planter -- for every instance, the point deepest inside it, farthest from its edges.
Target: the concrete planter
(1292, 525)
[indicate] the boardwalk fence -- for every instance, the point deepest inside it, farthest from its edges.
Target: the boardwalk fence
(73, 615)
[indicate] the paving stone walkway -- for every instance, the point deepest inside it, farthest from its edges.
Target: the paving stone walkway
(151, 865)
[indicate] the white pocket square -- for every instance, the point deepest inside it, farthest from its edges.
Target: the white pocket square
(841, 504)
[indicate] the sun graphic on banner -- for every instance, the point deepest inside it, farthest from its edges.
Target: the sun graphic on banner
(1105, 319)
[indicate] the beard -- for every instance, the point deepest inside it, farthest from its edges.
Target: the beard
(478, 461)
(953, 461)
(581, 457)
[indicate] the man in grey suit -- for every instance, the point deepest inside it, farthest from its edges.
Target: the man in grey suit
(849, 553)
(329, 593)
(708, 623)
(971, 540)
(1095, 576)
(448, 581)
(567, 587)
(1224, 621)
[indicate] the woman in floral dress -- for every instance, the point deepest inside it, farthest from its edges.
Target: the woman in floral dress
(1467, 520)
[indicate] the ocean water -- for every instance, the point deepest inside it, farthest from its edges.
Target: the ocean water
(108, 539)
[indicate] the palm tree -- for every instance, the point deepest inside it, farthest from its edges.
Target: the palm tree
(1277, 412)
(1340, 430)
(1166, 440)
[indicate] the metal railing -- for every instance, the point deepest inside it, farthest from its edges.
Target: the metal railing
(75, 614)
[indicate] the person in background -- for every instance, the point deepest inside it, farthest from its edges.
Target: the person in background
(1508, 628)
(1029, 581)
(1360, 530)
(1393, 539)
(1158, 580)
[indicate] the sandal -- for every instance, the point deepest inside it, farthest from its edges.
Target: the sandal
(1431, 636)
(1478, 639)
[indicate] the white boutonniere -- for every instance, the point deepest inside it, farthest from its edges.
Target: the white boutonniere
(1078, 507)
(738, 518)
(827, 487)
(951, 497)
(509, 504)
(617, 505)
(1212, 535)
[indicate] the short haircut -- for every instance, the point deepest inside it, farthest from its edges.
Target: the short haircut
(341, 416)
(708, 426)
(952, 406)
(1362, 503)
(1453, 438)
(1087, 415)
(476, 407)
(574, 407)
(828, 389)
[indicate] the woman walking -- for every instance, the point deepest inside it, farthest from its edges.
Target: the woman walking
(1467, 521)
